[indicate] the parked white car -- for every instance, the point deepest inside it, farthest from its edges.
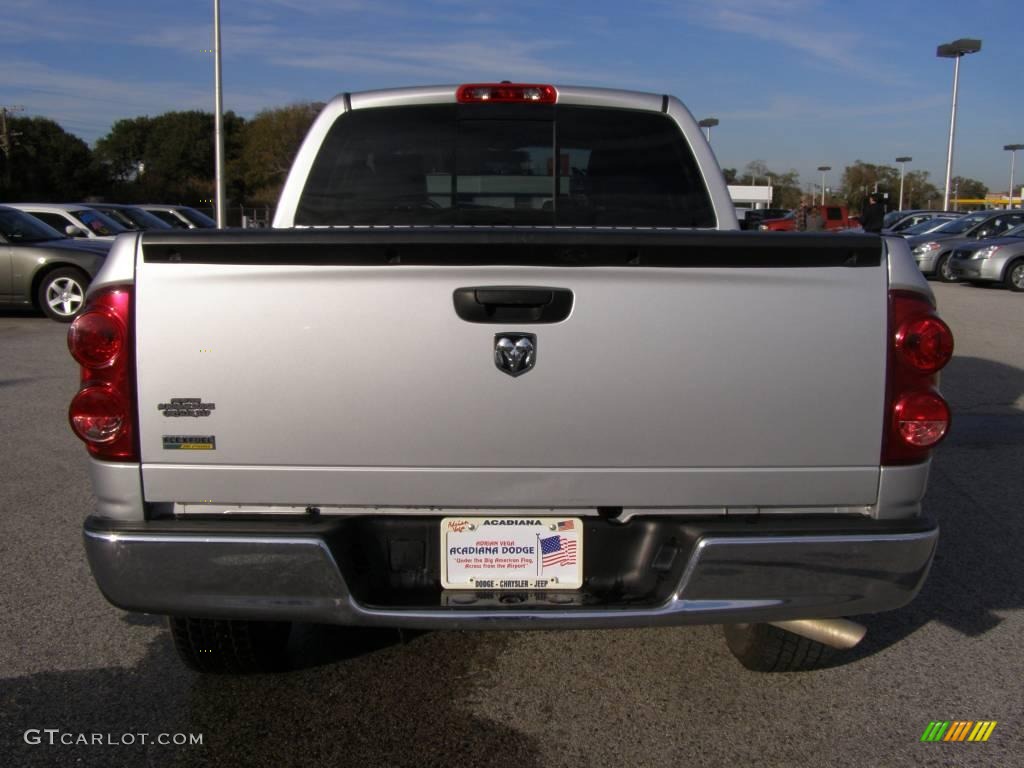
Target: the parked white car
(72, 219)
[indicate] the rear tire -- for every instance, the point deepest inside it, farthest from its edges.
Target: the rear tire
(227, 646)
(764, 648)
(943, 270)
(1015, 276)
(61, 293)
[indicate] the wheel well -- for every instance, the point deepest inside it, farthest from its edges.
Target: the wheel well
(1010, 265)
(37, 279)
(938, 260)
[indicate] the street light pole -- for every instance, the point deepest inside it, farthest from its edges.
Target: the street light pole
(1012, 148)
(707, 124)
(218, 119)
(955, 50)
(902, 161)
(952, 135)
(823, 169)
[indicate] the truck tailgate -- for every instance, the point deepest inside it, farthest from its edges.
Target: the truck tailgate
(331, 368)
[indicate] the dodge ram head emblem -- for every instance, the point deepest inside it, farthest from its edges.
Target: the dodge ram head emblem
(515, 353)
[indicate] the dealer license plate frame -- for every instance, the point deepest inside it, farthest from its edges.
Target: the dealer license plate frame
(468, 562)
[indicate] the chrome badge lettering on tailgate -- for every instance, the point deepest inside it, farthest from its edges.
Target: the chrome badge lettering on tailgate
(186, 406)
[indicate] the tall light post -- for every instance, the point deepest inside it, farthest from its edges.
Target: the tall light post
(1012, 149)
(902, 161)
(707, 124)
(955, 50)
(823, 169)
(218, 119)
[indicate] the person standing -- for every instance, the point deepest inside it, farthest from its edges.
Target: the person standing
(874, 214)
(815, 221)
(800, 215)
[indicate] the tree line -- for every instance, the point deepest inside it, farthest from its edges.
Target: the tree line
(856, 183)
(169, 158)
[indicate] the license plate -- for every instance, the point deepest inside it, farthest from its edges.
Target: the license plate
(506, 553)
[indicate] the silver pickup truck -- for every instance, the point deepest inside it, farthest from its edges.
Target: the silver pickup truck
(505, 363)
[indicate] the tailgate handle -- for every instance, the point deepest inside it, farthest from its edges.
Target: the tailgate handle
(513, 304)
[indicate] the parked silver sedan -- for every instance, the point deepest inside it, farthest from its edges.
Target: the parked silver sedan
(130, 217)
(929, 225)
(897, 222)
(999, 260)
(41, 268)
(180, 216)
(932, 251)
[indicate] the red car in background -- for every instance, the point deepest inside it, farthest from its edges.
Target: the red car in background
(835, 217)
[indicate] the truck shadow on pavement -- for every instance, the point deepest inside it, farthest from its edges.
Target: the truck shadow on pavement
(976, 492)
(343, 714)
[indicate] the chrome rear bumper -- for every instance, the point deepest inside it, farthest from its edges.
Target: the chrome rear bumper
(726, 573)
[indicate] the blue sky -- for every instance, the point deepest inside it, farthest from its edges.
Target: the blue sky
(795, 83)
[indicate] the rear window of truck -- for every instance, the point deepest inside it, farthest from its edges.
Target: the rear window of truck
(573, 166)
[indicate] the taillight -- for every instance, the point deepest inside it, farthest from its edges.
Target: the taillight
(924, 343)
(922, 418)
(506, 93)
(99, 414)
(102, 414)
(96, 338)
(920, 345)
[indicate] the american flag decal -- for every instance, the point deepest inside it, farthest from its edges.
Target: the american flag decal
(566, 525)
(557, 550)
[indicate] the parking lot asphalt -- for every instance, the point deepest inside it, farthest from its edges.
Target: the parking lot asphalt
(658, 697)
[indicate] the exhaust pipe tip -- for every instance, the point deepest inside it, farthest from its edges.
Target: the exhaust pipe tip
(835, 633)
